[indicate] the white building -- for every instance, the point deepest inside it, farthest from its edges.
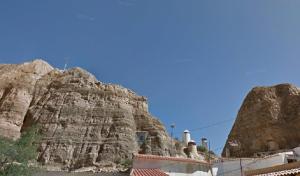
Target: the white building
(234, 166)
(171, 166)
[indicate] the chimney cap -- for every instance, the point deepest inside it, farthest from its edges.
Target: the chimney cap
(186, 131)
(192, 142)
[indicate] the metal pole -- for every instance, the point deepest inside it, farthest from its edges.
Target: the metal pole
(210, 165)
(172, 128)
(209, 152)
(241, 166)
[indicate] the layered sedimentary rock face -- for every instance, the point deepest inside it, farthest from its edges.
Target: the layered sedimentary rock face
(268, 120)
(83, 122)
(17, 84)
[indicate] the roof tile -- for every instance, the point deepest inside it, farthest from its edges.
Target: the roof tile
(148, 172)
(285, 169)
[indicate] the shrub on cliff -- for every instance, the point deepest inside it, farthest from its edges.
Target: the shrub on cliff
(201, 148)
(15, 156)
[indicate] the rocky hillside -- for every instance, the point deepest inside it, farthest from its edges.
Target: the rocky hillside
(268, 120)
(83, 122)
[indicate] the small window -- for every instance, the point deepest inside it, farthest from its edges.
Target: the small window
(142, 138)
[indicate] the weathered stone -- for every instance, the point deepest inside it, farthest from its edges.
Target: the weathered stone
(16, 92)
(268, 120)
(83, 122)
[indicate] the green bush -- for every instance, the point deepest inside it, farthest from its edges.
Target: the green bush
(16, 155)
(126, 163)
(201, 148)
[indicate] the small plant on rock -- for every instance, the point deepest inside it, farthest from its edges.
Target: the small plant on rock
(15, 156)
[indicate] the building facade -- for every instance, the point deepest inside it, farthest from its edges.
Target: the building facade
(172, 166)
(238, 166)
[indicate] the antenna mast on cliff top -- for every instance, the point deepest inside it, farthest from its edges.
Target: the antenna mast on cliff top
(66, 64)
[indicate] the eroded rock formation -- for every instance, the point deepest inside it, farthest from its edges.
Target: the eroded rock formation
(268, 120)
(17, 84)
(83, 122)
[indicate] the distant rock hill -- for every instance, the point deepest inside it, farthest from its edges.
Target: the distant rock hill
(83, 122)
(268, 120)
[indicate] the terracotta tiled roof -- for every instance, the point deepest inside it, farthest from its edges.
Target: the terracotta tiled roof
(147, 172)
(284, 169)
(61, 173)
(155, 157)
(281, 173)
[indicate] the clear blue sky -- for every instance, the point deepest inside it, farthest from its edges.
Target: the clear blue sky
(195, 60)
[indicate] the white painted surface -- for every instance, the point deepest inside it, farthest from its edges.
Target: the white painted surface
(186, 137)
(197, 173)
(297, 151)
(174, 168)
(231, 167)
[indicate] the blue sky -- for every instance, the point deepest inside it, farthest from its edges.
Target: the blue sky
(195, 60)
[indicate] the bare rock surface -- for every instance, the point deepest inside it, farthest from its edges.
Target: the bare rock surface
(83, 122)
(268, 120)
(17, 83)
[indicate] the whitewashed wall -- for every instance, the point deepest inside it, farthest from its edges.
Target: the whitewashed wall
(231, 167)
(174, 168)
(197, 173)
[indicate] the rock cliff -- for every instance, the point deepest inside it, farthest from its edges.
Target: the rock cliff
(268, 120)
(83, 122)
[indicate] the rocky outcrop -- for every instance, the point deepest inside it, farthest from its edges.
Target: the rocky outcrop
(17, 83)
(83, 122)
(268, 120)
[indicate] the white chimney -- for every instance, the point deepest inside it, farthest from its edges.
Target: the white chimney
(186, 137)
(204, 143)
(193, 149)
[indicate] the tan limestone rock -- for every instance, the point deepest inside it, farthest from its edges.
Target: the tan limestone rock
(83, 122)
(268, 120)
